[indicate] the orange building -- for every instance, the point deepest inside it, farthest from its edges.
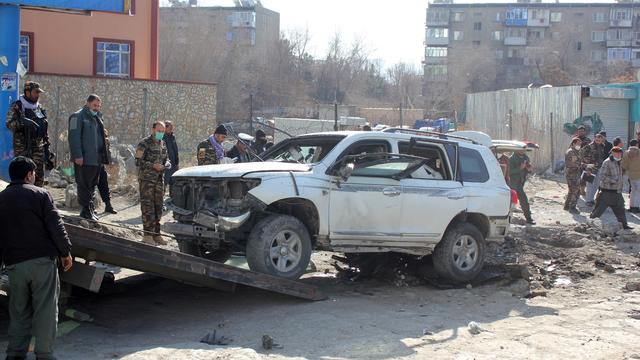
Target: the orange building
(92, 44)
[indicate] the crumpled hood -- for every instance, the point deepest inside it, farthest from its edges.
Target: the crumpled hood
(238, 170)
(634, 152)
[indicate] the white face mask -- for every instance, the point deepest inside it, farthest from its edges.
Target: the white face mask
(617, 159)
(577, 147)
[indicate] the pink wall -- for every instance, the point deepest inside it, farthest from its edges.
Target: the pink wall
(64, 43)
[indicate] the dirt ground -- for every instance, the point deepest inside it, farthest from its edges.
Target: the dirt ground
(572, 305)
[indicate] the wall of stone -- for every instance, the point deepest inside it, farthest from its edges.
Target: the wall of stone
(130, 107)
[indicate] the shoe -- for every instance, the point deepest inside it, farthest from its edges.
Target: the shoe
(573, 210)
(591, 203)
(148, 239)
(626, 227)
(86, 213)
(159, 240)
(531, 222)
(109, 209)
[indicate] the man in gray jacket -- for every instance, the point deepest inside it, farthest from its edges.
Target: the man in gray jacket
(610, 194)
(88, 152)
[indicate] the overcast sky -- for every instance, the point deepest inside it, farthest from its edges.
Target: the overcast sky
(392, 30)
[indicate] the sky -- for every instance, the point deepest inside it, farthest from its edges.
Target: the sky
(392, 30)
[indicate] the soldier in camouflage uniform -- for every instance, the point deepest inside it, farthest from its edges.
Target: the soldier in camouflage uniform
(592, 157)
(27, 120)
(152, 160)
(573, 170)
(210, 151)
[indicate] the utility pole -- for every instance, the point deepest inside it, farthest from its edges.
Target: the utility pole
(552, 142)
(510, 124)
(251, 114)
(400, 115)
(335, 116)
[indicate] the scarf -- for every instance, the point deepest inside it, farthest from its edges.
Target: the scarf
(26, 104)
(217, 147)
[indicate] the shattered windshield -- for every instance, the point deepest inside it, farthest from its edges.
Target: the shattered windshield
(302, 150)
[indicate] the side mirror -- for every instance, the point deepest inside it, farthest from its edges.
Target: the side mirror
(345, 171)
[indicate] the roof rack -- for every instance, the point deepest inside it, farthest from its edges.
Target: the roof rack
(430, 133)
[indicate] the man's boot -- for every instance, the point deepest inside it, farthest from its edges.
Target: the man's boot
(109, 209)
(574, 210)
(626, 226)
(86, 213)
(148, 239)
(159, 240)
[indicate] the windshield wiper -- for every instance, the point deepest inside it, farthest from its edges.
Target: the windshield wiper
(410, 169)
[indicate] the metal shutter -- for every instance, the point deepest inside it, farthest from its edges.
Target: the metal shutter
(614, 114)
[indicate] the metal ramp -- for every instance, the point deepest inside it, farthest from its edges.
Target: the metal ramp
(97, 246)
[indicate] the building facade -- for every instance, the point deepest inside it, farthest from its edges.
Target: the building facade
(520, 43)
(92, 44)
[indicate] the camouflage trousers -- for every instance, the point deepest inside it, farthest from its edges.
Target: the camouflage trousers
(573, 183)
(151, 202)
(37, 155)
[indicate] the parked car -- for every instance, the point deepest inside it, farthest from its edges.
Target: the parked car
(351, 192)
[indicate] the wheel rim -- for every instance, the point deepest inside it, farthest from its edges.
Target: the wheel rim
(285, 251)
(465, 253)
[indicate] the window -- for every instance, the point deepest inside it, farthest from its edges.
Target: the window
(435, 165)
(436, 33)
(498, 16)
(458, 35)
(113, 58)
(438, 15)
(472, 166)
(304, 150)
(615, 54)
(578, 14)
(477, 26)
(579, 45)
(436, 51)
(619, 34)
(436, 72)
(621, 14)
(26, 50)
(535, 34)
(476, 43)
(597, 36)
(516, 14)
(556, 16)
(636, 55)
(515, 53)
(458, 16)
(597, 55)
(516, 32)
(497, 35)
(499, 54)
(599, 17)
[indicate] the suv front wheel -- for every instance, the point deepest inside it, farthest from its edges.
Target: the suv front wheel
(460, 255)
(279, 245)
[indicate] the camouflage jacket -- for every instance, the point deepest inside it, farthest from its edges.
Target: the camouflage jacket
(585, 141)
(148, 153)
(572, 161)
(23, 134)
(592, 154)
(206, 154)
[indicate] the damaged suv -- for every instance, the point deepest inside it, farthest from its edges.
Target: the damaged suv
(351, 192)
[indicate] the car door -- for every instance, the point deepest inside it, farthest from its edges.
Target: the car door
(431, 195)
(365, 209)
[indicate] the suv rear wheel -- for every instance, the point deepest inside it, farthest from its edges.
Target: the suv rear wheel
(279, 245)
(460, 255)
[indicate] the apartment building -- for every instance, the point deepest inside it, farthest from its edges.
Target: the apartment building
(521, 36)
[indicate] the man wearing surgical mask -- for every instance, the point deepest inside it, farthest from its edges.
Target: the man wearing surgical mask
(573, 167)
(610, 188)
(89, 152)
(152, 161)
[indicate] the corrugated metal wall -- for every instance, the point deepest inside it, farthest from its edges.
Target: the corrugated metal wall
(530, 111)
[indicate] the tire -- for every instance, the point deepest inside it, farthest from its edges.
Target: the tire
(445, 256)
(188, 246)
(279, 245)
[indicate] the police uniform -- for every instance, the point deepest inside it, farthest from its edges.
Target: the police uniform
(150, 152)
(593, 154)
(573, 167)
(28, 123)
(517, 177)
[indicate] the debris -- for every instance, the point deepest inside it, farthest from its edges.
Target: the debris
(426, 332)
(601, 264)
(634, 314)
(212, 339)
(536, 293)
(609, 268)
(469, 286)
(474, 328)
(633, 286)
(268, 344)
(78, 315)
(562, 281)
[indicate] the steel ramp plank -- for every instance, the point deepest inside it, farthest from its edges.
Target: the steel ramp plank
(97, 246)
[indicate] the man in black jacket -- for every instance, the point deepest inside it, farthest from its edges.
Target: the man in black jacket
(89, 152)
(172, 151)
(32, 241)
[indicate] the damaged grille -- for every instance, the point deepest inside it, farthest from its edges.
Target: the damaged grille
(228, 197)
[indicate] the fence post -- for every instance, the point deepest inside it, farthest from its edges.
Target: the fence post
(552, 143)
(510, 124)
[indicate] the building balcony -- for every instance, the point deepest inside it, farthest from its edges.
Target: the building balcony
(437, 17)
(435, 60)
(511, 40)
(437, 41)
(437, 22)
(618, 43)
(620, 23)
(516, 22)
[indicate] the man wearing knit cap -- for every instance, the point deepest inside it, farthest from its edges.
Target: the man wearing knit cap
(210, 151)
(610, 186)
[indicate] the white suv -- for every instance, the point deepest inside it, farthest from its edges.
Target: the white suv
(352, 192)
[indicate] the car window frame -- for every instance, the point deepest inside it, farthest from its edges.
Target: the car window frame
(482, 161)
(336, 164)
(444, 157)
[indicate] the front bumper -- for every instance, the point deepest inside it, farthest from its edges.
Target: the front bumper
(204, 222)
